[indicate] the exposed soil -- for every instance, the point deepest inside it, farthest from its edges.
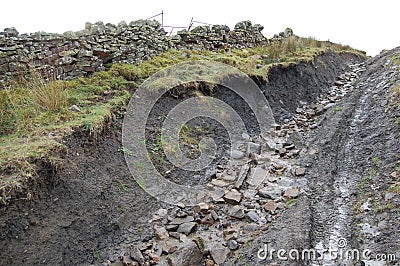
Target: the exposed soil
(357, 149)
(96, 212)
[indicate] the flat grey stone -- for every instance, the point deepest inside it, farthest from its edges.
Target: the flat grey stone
(242, 175)
(233, 196)
(257, 176)
(188, 254)
(182, 220)
(235, 154)
(252, 216)
(187, 228)
(300, 171)
(219, 255)
(270, 192)
(237, 212)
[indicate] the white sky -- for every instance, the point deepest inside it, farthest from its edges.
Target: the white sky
(367, 25)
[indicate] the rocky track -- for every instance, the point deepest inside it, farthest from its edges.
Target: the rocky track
(297, 190)
(343, 151)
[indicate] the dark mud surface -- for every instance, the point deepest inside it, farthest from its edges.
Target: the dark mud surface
(96, 211)
(88, 211)
(348, 197)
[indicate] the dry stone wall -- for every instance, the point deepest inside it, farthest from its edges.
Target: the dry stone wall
(77, 54)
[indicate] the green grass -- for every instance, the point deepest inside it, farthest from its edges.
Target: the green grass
(122, 186)
(35, 115)
(290, 202)
(121, 209)
(337, 109)
(375, 161)
(364, 182)
(395, 60)
(395, 89)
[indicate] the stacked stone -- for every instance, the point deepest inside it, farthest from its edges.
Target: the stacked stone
(283, 35)
(79, 54)
(220, 36)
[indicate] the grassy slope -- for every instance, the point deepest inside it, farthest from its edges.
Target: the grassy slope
(35, 115)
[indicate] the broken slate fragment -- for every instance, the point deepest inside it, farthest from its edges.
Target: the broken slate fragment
(160, 232)
(171, 227)
(182, 220)
(292, 193)
(235, 154)
(170, 246)
(188, 254)
(242, 175)
(187, 228)
(233, 196)
(270, 206)
(257, 176)
(252, 216)
(270, 192)
(219, 183)
(202, 207)
(300, 171)
(236, 212)
(137, 255)
(219, 255)
(253, 148)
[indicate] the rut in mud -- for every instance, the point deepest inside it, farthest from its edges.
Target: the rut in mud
(97, 214)
(354, 152)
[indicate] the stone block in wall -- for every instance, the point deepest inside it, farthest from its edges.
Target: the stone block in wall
(85, 53)
(70, 35)
(101, 53)
(82, 33)
(10, 32)
(16, 67)
(243, 25)
(122, 26)
(4, 59)
(4, 68)
(66, 68)
(66, 60)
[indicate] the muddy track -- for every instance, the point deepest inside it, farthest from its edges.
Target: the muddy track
(347, 145)
(96, 212)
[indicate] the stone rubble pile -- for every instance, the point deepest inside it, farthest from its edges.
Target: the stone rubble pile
(78, 54)
(248, 194)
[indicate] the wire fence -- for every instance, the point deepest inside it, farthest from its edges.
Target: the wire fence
(173, 29)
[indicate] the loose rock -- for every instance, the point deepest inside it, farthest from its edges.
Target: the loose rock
(219, 255)
(187, 228)
(237, 212)
(160, 232)
(271, 192)
(292, 193)
(188, 254)
(252, 216)
(300, 171)
(233, 196)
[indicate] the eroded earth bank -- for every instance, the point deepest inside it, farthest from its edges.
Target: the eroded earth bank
(329, 175)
